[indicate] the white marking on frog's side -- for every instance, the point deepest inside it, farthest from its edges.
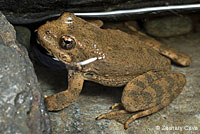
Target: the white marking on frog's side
(68, 22)
(55, 59)
(102, 55)
(100, 58)
(87, 61)
(95, 46)
(90, 60)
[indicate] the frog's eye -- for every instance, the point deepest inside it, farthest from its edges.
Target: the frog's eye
(67, 42)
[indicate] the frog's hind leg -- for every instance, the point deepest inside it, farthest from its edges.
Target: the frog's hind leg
(63, 99)
(148, 93)
(176, 56)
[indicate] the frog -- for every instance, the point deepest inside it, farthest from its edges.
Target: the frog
(113, 58)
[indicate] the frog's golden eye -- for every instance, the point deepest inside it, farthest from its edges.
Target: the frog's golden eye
(67, 42)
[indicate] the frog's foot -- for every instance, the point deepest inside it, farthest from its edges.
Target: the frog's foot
(63, 99)
(113, 113)
(132, 117)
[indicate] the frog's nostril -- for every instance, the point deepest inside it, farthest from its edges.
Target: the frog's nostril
(47, 32)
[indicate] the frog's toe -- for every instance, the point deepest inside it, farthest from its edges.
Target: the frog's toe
(114, 113)
(141, 114)
(128, 117)
(116, 105)
(118, 115)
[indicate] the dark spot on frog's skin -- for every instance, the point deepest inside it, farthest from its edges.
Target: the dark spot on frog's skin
(59, 99)
(134, 95)
(149, 78)
(171, 89)
(159, 92)
(160, 74)
(140, 84)
(170, 81)
(75, 92)
(147, 98)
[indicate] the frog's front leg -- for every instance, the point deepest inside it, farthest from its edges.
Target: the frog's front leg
(63, 99)
(148, 93)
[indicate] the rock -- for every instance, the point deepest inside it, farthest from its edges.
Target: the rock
(21, 103)
(30, 11)
(196, 22)
(23, 36)
(168, 26)
(96, 99)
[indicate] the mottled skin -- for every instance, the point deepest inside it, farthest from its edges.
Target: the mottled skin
(123, 59)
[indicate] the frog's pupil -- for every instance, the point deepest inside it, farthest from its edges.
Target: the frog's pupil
(67, 42)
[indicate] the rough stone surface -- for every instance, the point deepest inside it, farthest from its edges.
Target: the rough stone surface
(180, 116)
(21, 103)
(168, 26)
(30, 11)
(196, 22)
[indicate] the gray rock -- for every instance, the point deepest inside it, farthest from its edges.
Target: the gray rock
(21, 102)
(30, 11)
(23, 35)
(168, 26)
(95, 99)
(196, 22)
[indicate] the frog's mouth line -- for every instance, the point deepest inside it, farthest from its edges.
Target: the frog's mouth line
(87, 61)
(82, 63)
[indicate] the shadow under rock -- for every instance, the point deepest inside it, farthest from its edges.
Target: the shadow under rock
(52, 82)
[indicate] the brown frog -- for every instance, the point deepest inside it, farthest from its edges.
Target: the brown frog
(112, 58)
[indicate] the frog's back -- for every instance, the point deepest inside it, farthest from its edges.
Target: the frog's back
(126, 57)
